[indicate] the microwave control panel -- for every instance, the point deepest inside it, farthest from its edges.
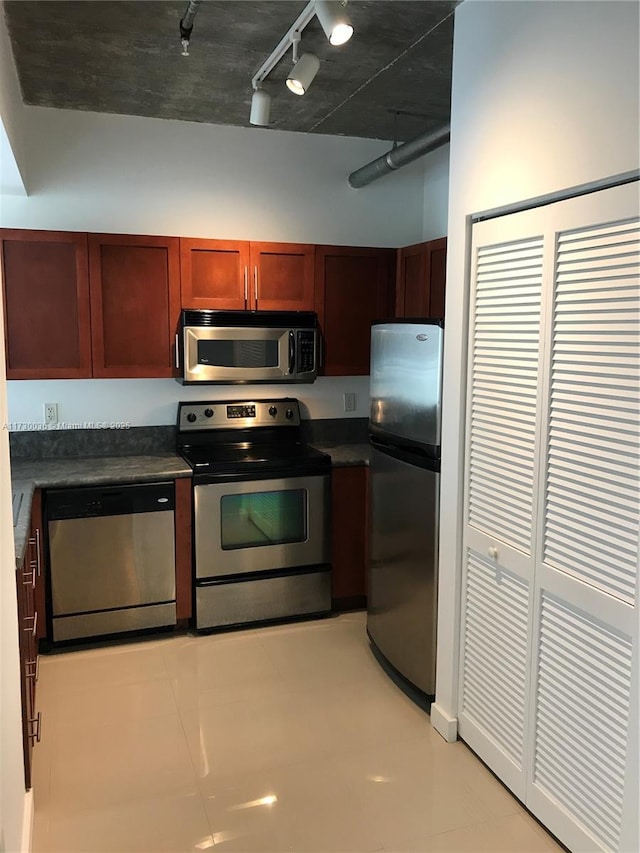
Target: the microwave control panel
(306, 351)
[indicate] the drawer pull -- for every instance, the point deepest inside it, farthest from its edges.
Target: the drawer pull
(31, 669)
(34, 736)
(34, 627)
(30, 577)
(38, 557)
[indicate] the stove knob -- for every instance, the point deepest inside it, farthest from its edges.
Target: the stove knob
(208, 413)
(288, 414)
(273, 411)
(191, 417)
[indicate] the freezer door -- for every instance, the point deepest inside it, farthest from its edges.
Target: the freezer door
(406, 380)
(402, 593)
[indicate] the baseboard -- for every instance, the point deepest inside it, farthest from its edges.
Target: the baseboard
(27, 822)
(444, 724)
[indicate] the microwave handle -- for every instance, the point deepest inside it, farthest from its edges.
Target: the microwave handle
(292, 351)
(177, 352)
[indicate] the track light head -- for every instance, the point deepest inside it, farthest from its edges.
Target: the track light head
(302, 74)
(335, 22)
(260, 108)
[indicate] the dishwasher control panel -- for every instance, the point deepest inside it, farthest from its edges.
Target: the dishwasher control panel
(92, 502)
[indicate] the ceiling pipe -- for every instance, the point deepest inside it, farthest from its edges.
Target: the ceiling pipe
(399, 157)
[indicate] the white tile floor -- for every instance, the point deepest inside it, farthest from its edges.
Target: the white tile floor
(288, 738)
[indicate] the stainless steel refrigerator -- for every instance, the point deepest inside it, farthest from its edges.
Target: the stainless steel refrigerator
(404, 432)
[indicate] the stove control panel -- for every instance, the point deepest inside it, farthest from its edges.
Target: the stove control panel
(235, 414)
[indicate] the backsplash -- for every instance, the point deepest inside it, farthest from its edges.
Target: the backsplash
(134, 441)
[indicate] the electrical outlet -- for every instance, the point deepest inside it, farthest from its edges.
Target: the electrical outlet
(349, 401)
(51, 413)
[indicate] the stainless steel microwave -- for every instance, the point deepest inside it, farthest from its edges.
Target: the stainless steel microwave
(240, 347)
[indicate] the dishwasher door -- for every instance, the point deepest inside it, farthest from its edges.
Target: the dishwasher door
(111, 560)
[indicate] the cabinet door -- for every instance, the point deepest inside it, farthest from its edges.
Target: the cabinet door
(353, 289)
(37, 563)
(183, 534)
(27, 625)
(420, 279)
(135, 304)
(282, 277)
(46, 301)
(214, 274)
(349, 537)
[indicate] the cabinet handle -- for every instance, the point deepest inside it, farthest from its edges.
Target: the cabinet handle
(246, 285)
(34, 736)
(34, 627)
(38, 552)
(30, 575)
(32, 673)
(177, 353)
(255, 284)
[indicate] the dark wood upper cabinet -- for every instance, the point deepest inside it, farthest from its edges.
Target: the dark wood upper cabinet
(46, 304)
(282, 277)
(241, 275)
(214, 274)
(420, 279)
(135, 304)
(353, 289)
(349, 538)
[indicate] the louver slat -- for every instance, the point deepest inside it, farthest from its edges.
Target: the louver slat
(580, 756)
(495, 653)
(594, 412)
(505, 358)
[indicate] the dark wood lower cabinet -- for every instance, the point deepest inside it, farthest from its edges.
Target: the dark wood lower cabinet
(30, 621)
(349, 538)
(184, 562)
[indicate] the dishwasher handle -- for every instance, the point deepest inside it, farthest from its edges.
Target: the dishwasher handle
(94, 502)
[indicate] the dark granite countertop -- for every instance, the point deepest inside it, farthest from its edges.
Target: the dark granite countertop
(23, 491)
(344, 455)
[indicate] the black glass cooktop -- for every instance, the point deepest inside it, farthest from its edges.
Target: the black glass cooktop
(242, 458)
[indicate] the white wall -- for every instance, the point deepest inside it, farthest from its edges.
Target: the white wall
(436, 193)
(545, 96)
(153, 402)
(122, 174)
(94, 172)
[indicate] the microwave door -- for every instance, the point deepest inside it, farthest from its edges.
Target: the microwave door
(239, 355)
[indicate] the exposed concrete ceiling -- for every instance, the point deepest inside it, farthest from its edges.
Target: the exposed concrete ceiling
(392, 80)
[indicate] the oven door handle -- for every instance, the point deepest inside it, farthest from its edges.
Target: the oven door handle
(292, 351)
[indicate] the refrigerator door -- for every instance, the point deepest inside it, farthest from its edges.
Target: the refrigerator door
(406, 382)
(402, 592)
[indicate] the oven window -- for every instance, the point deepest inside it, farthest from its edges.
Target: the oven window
(233, 353)
(263, 518)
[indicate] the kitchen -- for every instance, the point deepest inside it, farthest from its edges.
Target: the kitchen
(84, 179)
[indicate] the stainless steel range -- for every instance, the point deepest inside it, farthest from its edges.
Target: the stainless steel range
(261, 512)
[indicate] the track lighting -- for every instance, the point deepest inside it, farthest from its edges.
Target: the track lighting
(334, 20)
(260, 108)
(302, 74)
(337, 26)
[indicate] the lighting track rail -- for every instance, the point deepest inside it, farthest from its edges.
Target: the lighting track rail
(338, 29)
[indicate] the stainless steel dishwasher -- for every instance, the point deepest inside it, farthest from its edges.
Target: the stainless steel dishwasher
(111, 562)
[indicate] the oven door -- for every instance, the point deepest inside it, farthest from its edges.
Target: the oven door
(261, 525)
(229, 354)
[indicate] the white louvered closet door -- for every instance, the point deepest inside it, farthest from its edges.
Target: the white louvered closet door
(549, 645)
